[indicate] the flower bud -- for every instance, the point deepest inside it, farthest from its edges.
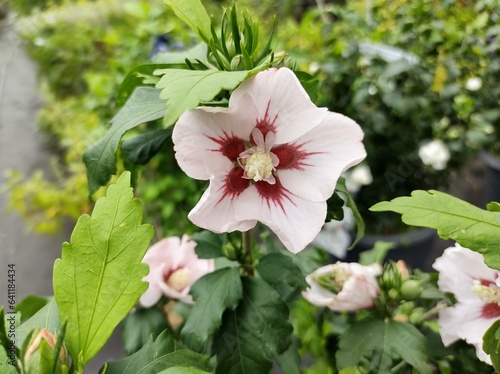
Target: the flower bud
(237, 63)
(35, 361)
(410, 289)
(230, 252)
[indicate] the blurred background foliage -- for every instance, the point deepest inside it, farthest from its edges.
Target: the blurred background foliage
(399, 68)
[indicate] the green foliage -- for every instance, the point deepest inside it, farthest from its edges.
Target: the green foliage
(143, 106)
(185, 89)
(382, 344)
(30, 305)
(214, 293)
(360, 224)
(158, 355)
(5, 366)
(255, 332)
(208, 244)
(491, 344)
(139, 326)
(194, 15)
(472, 227)
(99, 277)
(47, 317)
(183, 370)
(142, 148)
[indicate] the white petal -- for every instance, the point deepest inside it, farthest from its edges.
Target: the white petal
(215, 210)
(324, 153)
(294, 220)
(200, 136)
(464, 321)
(458, 267)
(282, 102)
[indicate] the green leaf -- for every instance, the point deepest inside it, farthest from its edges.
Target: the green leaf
(289, 361)
(183, 370)
(136, 77)
(213, 293)
(99, 278)
(193, 14)
(310, 83)
(334, 208)
(493, 207)
(139, 326)
(30, 305)
(278, 269)
(255, 332)
(360, 224)
(209, 244)
(142, 148)
(376, 254)
(5, 366)
(158, 355)
(383, 343)
(47, 317)
(185, 89)
(471, 227)
(491, 344)
(100, 158)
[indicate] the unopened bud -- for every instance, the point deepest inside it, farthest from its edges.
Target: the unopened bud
(230, 252)
(410, 289)
(403, 269)
(36, 362)
(237, 63)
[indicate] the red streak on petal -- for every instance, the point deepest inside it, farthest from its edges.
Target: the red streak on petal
(490, 311)
(486, 282)
(235, 184)
(292, 156)
(273, 193)
(230, 146)
(266, 124)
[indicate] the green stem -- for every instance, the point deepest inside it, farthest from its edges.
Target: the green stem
(247, 250)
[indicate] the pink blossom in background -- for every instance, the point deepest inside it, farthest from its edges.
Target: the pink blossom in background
(356, 286)
(271, 157)
(173, 269)
(477, 290)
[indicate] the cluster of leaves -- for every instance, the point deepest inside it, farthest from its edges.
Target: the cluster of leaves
(470, 226)
(402, 97)
(81, 65)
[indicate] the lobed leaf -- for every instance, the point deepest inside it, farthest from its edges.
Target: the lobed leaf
(47, 317)
(98, 280)
(213, 293)
(144, 105)
(139, 326)
(255, 332)
(185, 89)
(160, 354)
(142, 148)
(383, 343)
(470, 226)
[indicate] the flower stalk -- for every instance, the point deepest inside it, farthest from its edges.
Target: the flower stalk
(247, 250)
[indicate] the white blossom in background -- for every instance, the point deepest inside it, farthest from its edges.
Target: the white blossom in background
(474, 84)
(477, 290)
(357, 177)
(435, 154)
(335, 236)
(173, 268)
(343, 286)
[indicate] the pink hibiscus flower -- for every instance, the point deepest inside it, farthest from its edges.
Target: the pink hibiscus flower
(343, 286)
(477, 290)
(173, 269)
(272, 157)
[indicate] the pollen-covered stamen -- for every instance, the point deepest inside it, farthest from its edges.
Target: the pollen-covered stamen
(259, 162)
(178, 280)
(488, 293)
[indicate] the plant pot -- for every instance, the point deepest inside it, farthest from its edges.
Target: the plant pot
(413, 247)
(491, 177)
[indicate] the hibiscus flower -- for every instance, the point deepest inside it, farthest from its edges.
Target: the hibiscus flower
(173, 269)
(343, 286)
(477, 290)
(272, 156)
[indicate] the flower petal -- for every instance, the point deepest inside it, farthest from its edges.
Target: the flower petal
(206, 141)
(464, 321)
(283, 105)
(215, 210)
(458, 267)
(311, 166)
(294, 220)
